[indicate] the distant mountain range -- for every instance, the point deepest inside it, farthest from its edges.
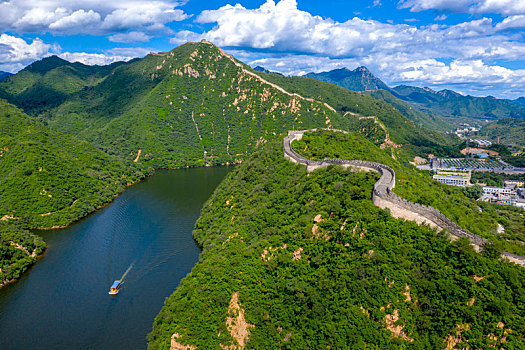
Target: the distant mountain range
(4, 75)
(359, 79)
(447, 104)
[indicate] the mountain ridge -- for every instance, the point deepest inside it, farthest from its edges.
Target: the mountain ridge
(450, 105)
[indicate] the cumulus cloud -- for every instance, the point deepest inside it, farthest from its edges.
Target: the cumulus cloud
(503, 7)
(92, 58)
(16, 53)
(282, 27)
(130, 37)
(469, 76)
(95, 17)
(436, 54)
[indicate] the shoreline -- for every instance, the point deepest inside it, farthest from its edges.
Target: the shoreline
(35, 230)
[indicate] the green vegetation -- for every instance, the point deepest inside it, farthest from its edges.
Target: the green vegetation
(426, 120)
(418, 187)
(456, 108)
(316, 265)
(49, 179)
(415, 139)
(507, 131)
(19, 249)
(191, 106)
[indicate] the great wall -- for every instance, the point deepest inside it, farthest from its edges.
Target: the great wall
(383, 197)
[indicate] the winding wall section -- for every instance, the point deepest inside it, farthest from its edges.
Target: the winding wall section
(383, 196)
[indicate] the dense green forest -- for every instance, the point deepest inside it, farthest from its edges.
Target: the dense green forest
(505, 131)
(419, 187)
(192, 106)
(440, 108)
(49, 179)
(416, 140)
(457, 108)
(292, 259)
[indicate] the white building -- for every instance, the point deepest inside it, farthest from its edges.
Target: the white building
(453, 180)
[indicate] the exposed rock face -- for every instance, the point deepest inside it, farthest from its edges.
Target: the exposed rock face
(237, 325)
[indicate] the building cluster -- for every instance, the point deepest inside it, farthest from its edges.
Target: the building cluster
(465, 129)
(512, 194)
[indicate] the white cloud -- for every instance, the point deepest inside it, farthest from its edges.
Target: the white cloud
(296, 40)
(512, 22)
(95, 17)
(130, 37)
(92, 58)
(16, 53)
(282, 27)
(469, 76)
(503, 7)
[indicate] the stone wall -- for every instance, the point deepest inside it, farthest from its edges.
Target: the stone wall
(384, 198)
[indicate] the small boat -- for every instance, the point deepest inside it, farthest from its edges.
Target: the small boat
(115, 287)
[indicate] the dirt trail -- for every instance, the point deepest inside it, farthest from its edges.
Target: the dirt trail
(138, 156)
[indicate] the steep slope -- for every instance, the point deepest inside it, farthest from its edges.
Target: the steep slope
(316, 265)
(507, 131)
(51, 179)
(423, 119)
(195, 105)
(48, 179)
(359, 79)
(359, 108)
(456, 107)
(4, 75)
(47, 83)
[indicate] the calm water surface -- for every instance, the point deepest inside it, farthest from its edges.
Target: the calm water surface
(63, 302)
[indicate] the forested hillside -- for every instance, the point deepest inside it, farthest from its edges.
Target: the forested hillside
(305, 260)
(49, 179)
(506, 131)
(456, 108)
(47, 83)
(414, 139)
(192, 106)
(423, 119)
(477, 217)
(197, 105)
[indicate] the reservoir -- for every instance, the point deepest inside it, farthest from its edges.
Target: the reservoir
(63, 301)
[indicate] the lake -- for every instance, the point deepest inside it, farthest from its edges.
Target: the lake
(63, 301)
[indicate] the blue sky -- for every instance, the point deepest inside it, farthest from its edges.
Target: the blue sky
(475, 47)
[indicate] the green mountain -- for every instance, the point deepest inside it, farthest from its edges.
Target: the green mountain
(195, 105)
(364, 113)
(507, 131)
(299, 260)
(455, 107)
(362, 80)
(359, 79)
(192, 106)
(48, 179)
(47, 83)
(434, 105)
(423, 119)
(4, 75)
(520, 101)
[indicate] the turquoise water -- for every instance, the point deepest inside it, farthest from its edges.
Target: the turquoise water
(63, 301)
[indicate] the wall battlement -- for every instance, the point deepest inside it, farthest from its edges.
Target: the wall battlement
(384, 198)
